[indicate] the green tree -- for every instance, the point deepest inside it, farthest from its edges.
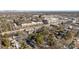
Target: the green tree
(51, 40)
(5, 41)
(22, 44)
(39, 38)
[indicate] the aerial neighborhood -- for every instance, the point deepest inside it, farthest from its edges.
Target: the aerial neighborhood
(39, 30)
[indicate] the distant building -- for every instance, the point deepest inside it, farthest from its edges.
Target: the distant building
(31, 24)
(45, 21)
(51, 19)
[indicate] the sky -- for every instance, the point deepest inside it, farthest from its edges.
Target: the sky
(40, 5)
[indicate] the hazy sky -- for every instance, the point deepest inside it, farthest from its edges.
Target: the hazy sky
(39, 5)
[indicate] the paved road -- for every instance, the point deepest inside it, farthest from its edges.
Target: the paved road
(27, 29)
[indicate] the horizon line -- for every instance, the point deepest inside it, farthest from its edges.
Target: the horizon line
(39, 10)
